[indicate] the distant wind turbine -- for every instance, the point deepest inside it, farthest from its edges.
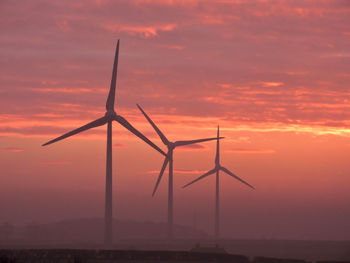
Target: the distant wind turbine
(108, 118)
(169, 159)
(217, 168)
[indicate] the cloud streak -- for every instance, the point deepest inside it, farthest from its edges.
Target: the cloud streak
(143, 31)
(180, 171)
(250, 151)
(12, 149)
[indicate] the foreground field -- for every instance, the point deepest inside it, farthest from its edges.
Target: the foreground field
(80, 256)
(76, 256)
(183, 250)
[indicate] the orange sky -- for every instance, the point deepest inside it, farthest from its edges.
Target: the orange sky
(273, 74)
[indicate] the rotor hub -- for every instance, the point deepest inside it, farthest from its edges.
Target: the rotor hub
(171, 145)
(111, 115)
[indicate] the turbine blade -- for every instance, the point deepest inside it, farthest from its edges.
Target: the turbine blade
(166, 160)
(128, 126)
(182, 143)
(201, 177)
(235, 176)
(111, 95)
(90, 125)
(161, 135)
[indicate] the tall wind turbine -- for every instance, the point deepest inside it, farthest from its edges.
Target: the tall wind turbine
(216, 170)
(169, 159)
(108, 118)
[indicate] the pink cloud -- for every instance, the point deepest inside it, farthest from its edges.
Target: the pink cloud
(53, 162)
(250, 151)
(143, 31)
(63, 26)
(180, 171)
(272, 84)
(101, 2)
(192, 147)
(173, 47)
(216, 19)
(293, 73)
(69, 90)
(119, 145)
(183, 3)
(12, 149)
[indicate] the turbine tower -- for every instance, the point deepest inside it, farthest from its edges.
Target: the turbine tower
(108, 118)
(169, 159)
(216, 170)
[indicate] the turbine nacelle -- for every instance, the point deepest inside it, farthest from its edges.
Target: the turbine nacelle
(171, 146)
(110, 115)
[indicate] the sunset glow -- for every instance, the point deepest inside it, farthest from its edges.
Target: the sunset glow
(274, 75)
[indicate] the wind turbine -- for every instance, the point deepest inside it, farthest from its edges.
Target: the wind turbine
(108, 118)
(216, 170)
(169, 159)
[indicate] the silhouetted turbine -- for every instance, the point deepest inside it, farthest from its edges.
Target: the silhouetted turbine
(217, 168)
(108, 118)
(169, 159)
